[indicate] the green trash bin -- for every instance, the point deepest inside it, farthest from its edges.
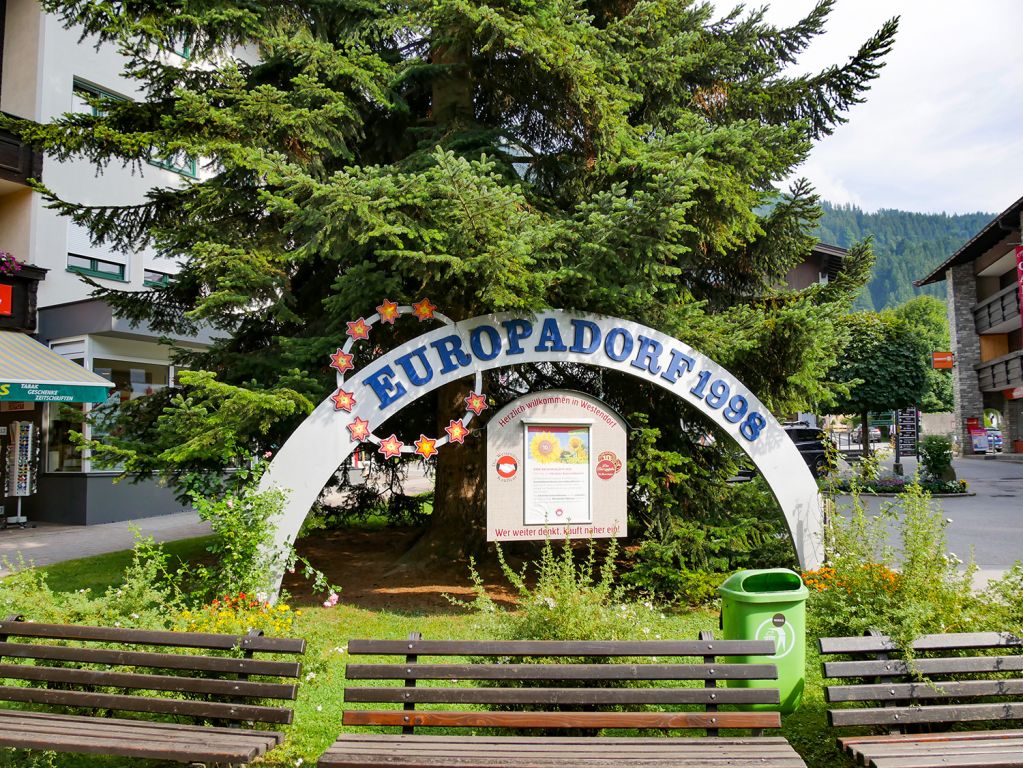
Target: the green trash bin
(769, 605)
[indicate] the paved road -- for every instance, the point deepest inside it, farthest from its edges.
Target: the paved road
(990, 522)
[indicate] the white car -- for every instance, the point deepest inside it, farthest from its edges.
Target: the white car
(875, 435)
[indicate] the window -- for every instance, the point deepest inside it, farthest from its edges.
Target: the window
(178, 163)
(153, 279)
(83, 101)
(84, 95)
(61, 420)
(85, 265)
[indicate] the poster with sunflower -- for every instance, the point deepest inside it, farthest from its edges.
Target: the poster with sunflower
(557, 474)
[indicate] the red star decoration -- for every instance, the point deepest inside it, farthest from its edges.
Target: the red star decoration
(358, 329)
(424, 310)
(359, 429)
(388, 312)
(426, 446)
(390, 447)
(342, 361)
(456, 432)
(343, 401)
(476, 403)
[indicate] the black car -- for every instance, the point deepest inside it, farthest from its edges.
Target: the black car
(810, 442)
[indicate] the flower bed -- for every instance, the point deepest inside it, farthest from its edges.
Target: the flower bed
(899, 484)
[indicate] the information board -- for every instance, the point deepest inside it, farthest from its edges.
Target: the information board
(556, 468)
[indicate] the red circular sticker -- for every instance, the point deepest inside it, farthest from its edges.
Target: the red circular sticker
(608, 465)
(507, 466)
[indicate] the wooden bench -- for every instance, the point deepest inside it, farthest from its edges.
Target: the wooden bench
(79, 675)
(573, 685)
(969, 677)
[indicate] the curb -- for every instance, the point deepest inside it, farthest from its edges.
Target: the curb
(896, 495)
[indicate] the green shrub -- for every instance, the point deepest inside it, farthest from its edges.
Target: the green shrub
(904, 589)
(936, 458)
(658, 573)
(569, 600)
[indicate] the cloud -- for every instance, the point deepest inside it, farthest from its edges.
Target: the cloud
(942, 127)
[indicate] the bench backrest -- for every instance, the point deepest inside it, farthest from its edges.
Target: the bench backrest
(134, 670)
(568, 684)
(966, 677)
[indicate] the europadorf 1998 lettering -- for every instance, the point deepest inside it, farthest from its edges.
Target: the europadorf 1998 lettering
(509, 339)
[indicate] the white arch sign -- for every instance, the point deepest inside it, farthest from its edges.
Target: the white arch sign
(323, 442)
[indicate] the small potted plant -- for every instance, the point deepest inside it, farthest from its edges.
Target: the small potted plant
(8, 263)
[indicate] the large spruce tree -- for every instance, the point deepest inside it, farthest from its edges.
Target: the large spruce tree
(620, 157)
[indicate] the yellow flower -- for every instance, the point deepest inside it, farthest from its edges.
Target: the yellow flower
(545, 447)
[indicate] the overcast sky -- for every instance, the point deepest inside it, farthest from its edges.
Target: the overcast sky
(942, 127)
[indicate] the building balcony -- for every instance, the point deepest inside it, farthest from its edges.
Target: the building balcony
(998, 313)
(1002, 373)
(18, 163)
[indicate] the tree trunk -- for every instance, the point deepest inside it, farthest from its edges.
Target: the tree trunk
(865, 434)
(457, 526)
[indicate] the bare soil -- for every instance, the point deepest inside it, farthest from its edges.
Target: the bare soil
(365, 564)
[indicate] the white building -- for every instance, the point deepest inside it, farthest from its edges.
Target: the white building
(46, 72)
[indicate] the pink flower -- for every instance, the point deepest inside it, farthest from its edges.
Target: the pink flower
(230, 503)
(268, 454)
(331, 601)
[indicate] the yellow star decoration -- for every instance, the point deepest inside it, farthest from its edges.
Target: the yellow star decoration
(359, 429)
(358, 329)
(388, 312)
(476, 403)
(424, 310)
(456, 432)
(426, 446)
(390, 447)
(342, 361)
(343, 401)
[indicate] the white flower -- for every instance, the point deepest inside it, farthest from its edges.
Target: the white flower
(341, 649)
(134, 615)
(550, 602)
(319, 707)
(646, 630)
(310, 675)
(299, 761)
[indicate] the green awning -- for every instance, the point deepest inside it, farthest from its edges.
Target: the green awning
(33, 373)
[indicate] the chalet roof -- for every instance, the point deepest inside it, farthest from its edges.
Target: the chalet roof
(832, 257)
(987, 238)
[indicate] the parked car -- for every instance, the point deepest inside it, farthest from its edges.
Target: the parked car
(994, 440)
(810, 442)
(875, 435)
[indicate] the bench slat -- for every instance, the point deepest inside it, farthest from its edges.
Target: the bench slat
(943, 666)
(898, 716)
(946, 642)
(176, 683)
(154, 660)
(132, 738)
(563, 695)
(924, 692)
(567, 752)
(450, 719)
(151, 704)
(418, 671)
(561, 648)
(987, 748)
(208, 640)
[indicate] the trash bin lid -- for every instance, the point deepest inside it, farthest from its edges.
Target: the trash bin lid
(764, 586)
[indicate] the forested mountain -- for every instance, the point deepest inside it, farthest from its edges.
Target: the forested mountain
(907, 245)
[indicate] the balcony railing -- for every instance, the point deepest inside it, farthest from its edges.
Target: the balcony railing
(1001, 373)
(997, 310)
(18, 163)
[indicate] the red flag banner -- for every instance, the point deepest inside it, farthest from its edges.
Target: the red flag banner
(1019, 278)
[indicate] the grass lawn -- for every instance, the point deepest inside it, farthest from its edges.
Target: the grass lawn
(327, 631)
(101, 571)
